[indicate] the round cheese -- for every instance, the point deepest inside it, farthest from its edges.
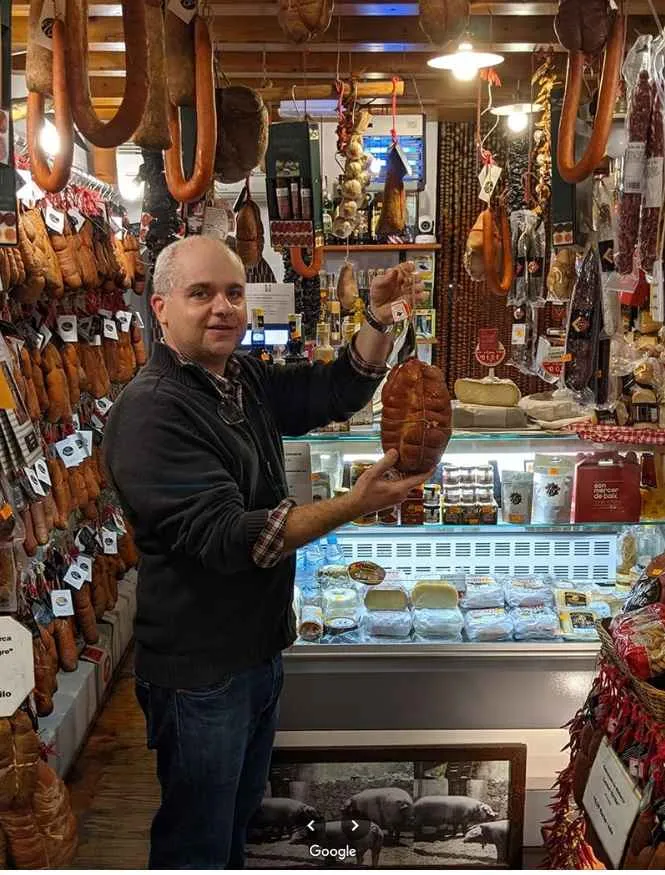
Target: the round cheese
(434, 594)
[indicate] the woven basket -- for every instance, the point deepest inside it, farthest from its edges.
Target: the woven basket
(651, 698)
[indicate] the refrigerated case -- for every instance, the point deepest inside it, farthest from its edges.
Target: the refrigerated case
(367, 692)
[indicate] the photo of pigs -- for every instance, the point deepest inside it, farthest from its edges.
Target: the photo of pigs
(422, 814)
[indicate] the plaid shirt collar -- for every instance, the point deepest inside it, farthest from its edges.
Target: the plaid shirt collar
(228, 385)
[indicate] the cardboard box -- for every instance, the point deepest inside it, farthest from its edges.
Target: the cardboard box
(606, 489)
(100, 657)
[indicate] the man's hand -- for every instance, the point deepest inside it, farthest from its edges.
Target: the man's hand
(375, 489)
(398, 283)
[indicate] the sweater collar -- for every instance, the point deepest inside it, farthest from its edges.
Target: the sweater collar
(166, 361)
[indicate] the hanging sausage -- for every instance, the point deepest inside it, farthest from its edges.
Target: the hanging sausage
(111, 134)
(47, 75)
(581, 26)
(499, 285)
(443, 20)
(153, 132)
(303, 20)
(194, 188)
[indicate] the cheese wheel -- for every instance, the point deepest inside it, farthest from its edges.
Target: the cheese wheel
(488, 392)
(434, 594)
(378, 599)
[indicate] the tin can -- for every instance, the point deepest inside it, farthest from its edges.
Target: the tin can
(412, 512)
(432, 513)
(389, 516)
(451, 475)
(432, 493)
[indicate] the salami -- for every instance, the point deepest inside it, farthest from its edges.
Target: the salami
(499, 285)
(652, 197)
(153, 132)
(38, 65)
(584, 324)
(180, 75)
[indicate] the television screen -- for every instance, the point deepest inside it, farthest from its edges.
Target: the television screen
(378, 145)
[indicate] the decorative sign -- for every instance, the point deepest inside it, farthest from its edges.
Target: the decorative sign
(612, 801)
(276, 299)
(17, 674)
(298, 466)
(490, 352)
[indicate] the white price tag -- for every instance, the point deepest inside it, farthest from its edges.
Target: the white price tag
(44, 32)
(17, 676)
(41, 470)
(77, 218)
(96, 421)
(634, 167)
(68, 451)
(35, 483)
(184, 9)
(488, 178)
(55, 220)
(518, 336)
(109, 542)
(85, 564)
(44, 336)
(61, 603)
(653, 184)
(124, 317)
(107, 314)
(139, 319)
(110, 329)
(74, 576)
(657, 292)
(86, 437)
(103, 405)
(96, 340)
(67, 328)
(76, 421)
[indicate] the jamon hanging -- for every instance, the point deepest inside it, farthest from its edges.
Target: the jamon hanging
(303, 20)
(242, 135)
(416, 417)
(443, 20)
(153, 132)
(393, 210)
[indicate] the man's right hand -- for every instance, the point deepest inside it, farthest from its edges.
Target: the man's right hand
(374, 491)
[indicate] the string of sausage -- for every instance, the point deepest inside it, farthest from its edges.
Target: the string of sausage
(306, 271)
(107, 135)
(570, 170)
(194, 188)
(498, 285)
(52, 179)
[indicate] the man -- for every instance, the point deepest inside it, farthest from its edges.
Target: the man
(194, 450)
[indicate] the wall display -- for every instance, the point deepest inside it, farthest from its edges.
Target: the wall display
(392, 807)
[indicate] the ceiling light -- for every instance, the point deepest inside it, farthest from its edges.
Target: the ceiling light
(465, 62)
(131, 190)
(517, 114)
(49, 138)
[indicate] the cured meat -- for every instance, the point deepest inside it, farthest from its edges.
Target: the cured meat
(443, 20)
(584, 324)
(242, 132)
(153, 132)
(303, 20)
(417, 415)
(583, 25)
(249, 234)
(180, 75)
(393, 211)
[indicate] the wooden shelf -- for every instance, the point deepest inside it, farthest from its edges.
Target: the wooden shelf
(385, 247)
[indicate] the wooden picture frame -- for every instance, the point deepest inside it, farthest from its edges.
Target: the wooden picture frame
(295, 787)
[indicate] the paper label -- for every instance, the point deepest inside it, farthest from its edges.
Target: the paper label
(653, 183)
(61, 603)
(120, 523)
(17, 675)
(69, 451)
(35, 483)
(77, 218)
(124, 317)
(76, 421)
(41, 470)
(67, 328)
(612, 801)
(55, 220)
(44, 33)
(401, 310)
(634, 168)
(139, 319)
(109, 542)
(115, 222)
(518, 336)
(103, 405)
(86, 437)
(488, 178)
(74, 576)
(96, 340)
(184, 9)
(657, 304)
(44, 336)
(85, 564)
(110, 329)
(96, 421)
(107, 314)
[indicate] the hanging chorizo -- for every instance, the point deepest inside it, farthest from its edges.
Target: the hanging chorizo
(499, 285)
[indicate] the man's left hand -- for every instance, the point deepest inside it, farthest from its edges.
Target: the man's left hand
(401, 283)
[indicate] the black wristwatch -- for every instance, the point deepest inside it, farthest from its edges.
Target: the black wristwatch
(374, 323)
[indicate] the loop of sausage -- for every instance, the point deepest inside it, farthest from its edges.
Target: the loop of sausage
(192, 189)
(111, 134)
(55, 178)
(570, 170)
(498, 285)
(306, 271)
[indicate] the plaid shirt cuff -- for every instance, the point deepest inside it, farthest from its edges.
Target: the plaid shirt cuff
(365, 369)
(269, 546)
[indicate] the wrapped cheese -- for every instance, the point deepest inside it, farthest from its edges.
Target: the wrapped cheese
(386, 597)
(482, 592)
(488, 392)
(387, 624)
(492, 624)
(535, 624)
(439, 624)
(434, 594)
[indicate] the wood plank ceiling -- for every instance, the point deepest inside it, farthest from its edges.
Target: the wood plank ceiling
(371, 40)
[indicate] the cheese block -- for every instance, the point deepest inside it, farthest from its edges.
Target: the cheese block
(479, 416)
(571, 598)
(488, 392)
(434, 594)
(386, 599)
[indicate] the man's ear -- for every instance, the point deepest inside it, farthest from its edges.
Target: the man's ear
(158, 304)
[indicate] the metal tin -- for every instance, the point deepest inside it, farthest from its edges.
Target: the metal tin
(432, 492)
(432, 513)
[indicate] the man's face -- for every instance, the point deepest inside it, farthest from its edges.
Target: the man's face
(205, 316)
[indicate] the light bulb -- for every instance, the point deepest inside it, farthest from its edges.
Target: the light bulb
(517, 122)
(375, 166)
(617, 142)
(130, 189)
(466, 67)
(49, 139)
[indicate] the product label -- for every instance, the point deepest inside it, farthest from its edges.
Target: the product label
(368, 573)
(55, 220)
(518, 336)
(653, 184)
(41, 470)
(44, 33)
(184, 9)
(77, 218)
(124, 318)
(67, 328)
(85, 564)
(109, 542)
(74, 576)
(35, 483)
(69, 451)
(61, 602)
(634, 168)
(581, 322)
(110, 329)
(488, 178)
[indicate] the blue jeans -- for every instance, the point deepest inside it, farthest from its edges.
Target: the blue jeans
(213, 756)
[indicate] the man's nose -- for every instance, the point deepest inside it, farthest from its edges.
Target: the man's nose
(222, 305)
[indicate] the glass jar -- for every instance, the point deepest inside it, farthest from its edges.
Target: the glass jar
(451, 509)
(487, 506)
(341, 600)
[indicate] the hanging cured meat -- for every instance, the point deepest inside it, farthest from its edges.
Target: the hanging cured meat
(443, 20)
(242, 135)
(497, 284)
(416, 416)
(582, 27)
(303, 20)
(107, 135)
(153, 132)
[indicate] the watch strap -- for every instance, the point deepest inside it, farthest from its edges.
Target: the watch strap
(374, 323)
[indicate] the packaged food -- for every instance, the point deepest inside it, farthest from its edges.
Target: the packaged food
(552, 490)
(579, 625)
(639, 638)
(431, 493)
(412, 511)
(488, 511)
(650, 588)
(613, 598)
(442, 624)
(388, 596)
(627, 549)
(432, 513)
(434, 594)
(387, 624)
(482, 592)
(606, 489)
(535, 624)
(310, 627)
(516, 495)
(571, 597)
(491, 624)
(451, 509)
(389, 516)
(528, 592)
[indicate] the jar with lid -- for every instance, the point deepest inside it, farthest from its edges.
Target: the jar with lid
(470, 509)
(451, 475)
(487, 506)
(341, 599)
(466, 477)
(451, 509)
(483, 475)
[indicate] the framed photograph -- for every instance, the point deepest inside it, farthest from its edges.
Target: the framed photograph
(392, 808)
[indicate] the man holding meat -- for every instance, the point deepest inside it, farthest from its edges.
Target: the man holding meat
(193, 447)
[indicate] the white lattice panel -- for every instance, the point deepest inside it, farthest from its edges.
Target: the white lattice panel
(571, 556)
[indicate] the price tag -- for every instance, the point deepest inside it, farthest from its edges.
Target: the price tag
(41, 470)
(124, 317)
(96, 421)
(107, 314)
(69, 451)
(35, 483)
(17, 675)
(115, 222)
(67, 328)
(657, 292)
(85, 540)
(139, 319)
(488, 178)
(85, 564)
(110, 329)
(518, 336)
(109, 542)
(55, 220)
(61, 602)
(86, 437)
(96, 340)
(77, 218)
(184, 9)
(103, 405)
(44, 336)
(490, 352)
(76, 421)
(401, 310)
(74, 576)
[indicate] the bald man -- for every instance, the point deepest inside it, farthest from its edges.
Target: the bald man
(193, 446)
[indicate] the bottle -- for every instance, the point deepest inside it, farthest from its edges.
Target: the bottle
(323, 352)
(259, 349)
(335, 323)
(294, 347)
(334, 553)
(328, 210)
(314, 558)
(283, 194)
